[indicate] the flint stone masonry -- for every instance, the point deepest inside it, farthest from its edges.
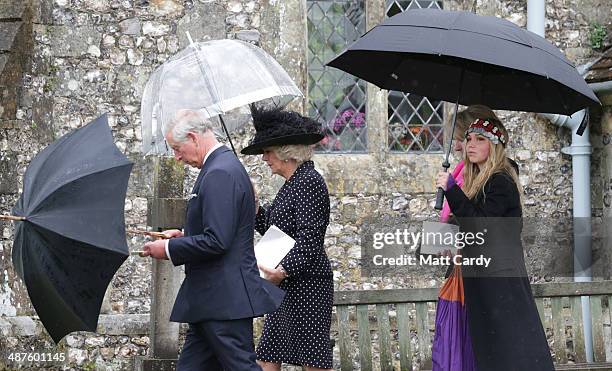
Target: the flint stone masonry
(130, 26)
(8, 173)
(155, 29)
(206, 21)
(94, 56)
(68, 41)
(168, 8)
(248, 35)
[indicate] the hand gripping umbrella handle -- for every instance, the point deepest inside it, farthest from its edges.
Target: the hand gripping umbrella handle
(145, 233)
(439, 198)
(440, 191)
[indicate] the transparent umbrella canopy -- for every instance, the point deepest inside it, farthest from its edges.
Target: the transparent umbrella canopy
(211, 78)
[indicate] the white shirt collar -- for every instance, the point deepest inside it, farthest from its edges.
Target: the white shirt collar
(211, 151)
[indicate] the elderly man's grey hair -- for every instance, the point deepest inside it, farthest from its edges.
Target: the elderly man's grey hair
(298, 152)
(186, 121)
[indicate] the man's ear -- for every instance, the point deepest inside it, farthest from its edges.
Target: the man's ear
(192, 136)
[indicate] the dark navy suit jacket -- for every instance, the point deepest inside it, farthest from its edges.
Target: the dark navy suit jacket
(222, 281)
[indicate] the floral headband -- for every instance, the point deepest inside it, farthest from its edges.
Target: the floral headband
(487, 130)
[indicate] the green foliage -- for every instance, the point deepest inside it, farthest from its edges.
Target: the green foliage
(89, 366)
(53, 69)
(597, 35)
(50, 84)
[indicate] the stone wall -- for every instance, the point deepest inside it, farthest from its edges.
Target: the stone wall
(76, 59)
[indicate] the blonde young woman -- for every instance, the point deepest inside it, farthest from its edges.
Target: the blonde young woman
(464, 119)
(503, 321)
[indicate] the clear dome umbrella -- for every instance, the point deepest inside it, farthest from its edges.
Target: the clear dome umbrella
(211, 78)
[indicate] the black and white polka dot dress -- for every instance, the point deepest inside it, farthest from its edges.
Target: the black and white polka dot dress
(298, 332)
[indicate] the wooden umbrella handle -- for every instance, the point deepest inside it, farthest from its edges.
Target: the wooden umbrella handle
(12, 217)
(137, 252)
(147, 233)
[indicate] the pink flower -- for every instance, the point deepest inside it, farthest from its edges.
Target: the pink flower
(349, 117)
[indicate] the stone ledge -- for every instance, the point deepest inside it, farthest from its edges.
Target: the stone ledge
(108, 324)
(123, 324)
(20, 326)
(151, 364)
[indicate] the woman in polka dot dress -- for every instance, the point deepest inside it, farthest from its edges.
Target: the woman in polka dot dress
(298, 332)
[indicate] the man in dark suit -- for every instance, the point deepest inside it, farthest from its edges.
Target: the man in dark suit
(222, 290)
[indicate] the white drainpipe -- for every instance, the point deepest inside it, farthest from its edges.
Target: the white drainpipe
(580, 150)
(602, 87)
(536, 13)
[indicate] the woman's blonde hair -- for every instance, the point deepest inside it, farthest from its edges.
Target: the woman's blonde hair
(474, 178)
(298, 152)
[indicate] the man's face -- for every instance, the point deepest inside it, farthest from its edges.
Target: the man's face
(187, 151)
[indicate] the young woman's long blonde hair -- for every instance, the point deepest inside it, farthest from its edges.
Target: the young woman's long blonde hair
(475, 179)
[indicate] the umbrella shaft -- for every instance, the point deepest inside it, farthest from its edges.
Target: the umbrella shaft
(227, 133)
(12, 217)
(446, 164)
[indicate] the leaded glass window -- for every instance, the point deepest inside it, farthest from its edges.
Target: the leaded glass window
(336, 99)
(415, 122)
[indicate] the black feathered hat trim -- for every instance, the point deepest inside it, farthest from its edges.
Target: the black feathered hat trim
(277, 127)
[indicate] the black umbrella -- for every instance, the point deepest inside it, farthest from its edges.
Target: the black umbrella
(469, 59)
(71, 240)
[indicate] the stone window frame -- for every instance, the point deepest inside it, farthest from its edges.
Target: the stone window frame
(379, 170)
(353, 100)
(431, 127)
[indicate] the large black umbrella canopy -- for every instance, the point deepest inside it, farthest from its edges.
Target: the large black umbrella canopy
(72, 240)
(453, 55)
(465, 58)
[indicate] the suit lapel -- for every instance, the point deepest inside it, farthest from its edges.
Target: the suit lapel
(196, 185)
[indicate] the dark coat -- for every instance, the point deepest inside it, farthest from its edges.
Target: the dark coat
(222, 281)
(301, 210)
(496, 213)
(503, 319)
(298, 332)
